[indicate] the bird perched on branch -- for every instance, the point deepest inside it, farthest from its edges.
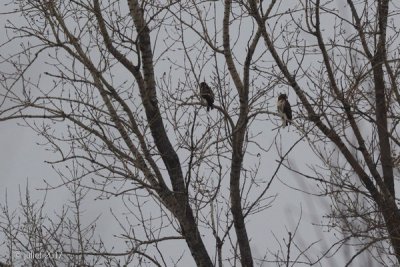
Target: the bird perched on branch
(207, 94)
(284, 109)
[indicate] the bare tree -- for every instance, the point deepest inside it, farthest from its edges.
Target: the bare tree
(113, 88)
(348, 105)
(112, 107)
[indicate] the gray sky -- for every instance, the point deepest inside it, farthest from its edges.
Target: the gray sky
(22, 161)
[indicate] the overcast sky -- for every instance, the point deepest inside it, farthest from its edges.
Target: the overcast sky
(22, 161)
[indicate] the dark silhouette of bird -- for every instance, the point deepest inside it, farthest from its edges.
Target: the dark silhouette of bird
(207, 94)
(284, 109)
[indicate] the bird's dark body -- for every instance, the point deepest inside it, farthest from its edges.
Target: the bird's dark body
(284, 109)
(207, 94)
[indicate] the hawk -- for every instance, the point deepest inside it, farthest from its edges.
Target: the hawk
(284, 109)
(207, 94)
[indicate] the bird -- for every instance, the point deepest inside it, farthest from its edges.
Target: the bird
(284, 109)
(207, 94)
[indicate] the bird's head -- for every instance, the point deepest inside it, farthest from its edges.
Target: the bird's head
(282, 97)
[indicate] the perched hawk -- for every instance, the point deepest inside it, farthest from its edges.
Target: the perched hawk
(284, 109)
(207, 94)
